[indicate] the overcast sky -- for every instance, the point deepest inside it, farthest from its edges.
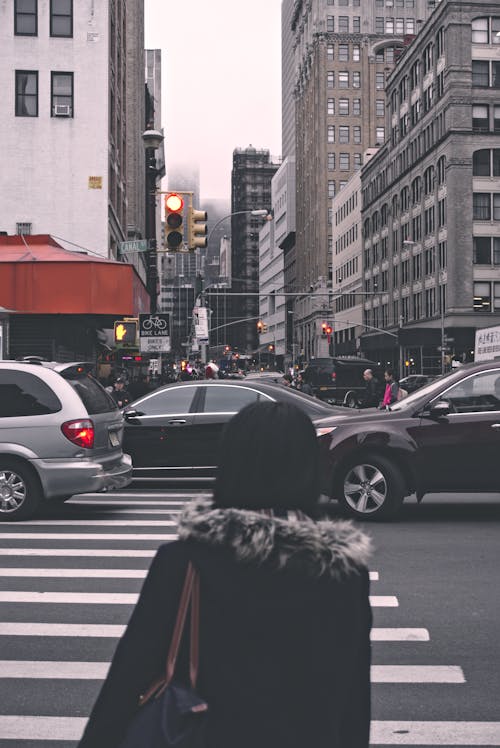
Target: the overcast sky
(221, 71)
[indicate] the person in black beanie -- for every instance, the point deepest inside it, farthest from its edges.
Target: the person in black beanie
(285, 616)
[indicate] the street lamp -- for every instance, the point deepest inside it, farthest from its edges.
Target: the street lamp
(152, 140)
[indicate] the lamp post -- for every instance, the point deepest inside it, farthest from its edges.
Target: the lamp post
(152, 140)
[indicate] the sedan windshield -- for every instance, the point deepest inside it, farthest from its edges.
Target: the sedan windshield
(426, 392)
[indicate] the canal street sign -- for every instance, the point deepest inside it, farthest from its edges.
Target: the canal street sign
(135, 245)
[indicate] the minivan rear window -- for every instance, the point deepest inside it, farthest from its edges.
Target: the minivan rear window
(94, 397)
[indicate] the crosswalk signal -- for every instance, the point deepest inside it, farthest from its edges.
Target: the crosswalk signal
(197, 229)
(174, 232)
(125, 332)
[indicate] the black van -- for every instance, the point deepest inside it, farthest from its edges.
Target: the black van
(340, 380)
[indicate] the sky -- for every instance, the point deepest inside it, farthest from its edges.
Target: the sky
(221, 81)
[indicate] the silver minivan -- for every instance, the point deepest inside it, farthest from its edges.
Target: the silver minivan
(60, 434)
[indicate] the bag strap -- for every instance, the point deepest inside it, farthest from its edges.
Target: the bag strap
(190, 595)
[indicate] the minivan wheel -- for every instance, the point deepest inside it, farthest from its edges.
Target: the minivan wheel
(20, 494)
(370, 488)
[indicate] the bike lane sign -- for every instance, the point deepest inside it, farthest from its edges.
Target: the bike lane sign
(154, 333)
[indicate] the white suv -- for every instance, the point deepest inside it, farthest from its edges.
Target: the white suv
(60, 435)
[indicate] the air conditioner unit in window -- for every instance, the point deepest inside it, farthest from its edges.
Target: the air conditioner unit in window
(62, 110)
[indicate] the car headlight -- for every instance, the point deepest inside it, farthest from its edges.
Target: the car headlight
(325, 430)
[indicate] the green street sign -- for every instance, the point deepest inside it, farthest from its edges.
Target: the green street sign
(135, 245)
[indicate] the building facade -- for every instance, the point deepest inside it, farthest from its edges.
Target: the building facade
(251, 178)
(343, 53)
(64, 163)
(431, 196)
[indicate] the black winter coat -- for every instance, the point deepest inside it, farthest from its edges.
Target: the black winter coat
(285, 632)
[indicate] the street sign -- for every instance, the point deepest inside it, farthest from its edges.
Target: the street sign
(200, 317)
(135, 245)
(154, 333)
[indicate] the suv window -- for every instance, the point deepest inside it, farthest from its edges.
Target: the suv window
(23, 394)
(176, 401)
(225, 399)
(476, 394)
(93, 395)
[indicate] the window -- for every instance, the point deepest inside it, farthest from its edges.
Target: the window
(430, 261)
(428, 58)
(331, 107)
(480, 33)
(379, 81)
(482, 250)
(331, 188)
(61, 18)
(496, 162)
(331, 162)
(344, 162)
(405, 199)
(343, 53)
(23, 394)
(172, 402)
(356, 79)
(62, 94)
(416, 228)
(389, 55)
(496, 119)
(405, 271)
(344, 106)
(481, 163)
(344, 24)
(496, 206)
(417, 306)
(356, 134)
(429, 221)
(356, 52)
(26, 93)
(415, 75)
(330, 53)
(331, 133)
(389, 25)
(429, 180)
(417, 267)
(330, 79)
(356, 107)
(379, 25)
(442, 213)
(440, 42)
(344, 79)
(400, 26)
(481, 206)
(357, 160)
(330, 24)
(482, 297)
(480, 118)
(26, 17)
(356, 25)
(495, 30)
(343, 134)
(480, 73)
(23, 228)
(443, 255)
(228, 399)
(441, 170)
(379, 135)
(380, 107)
(479, 393)
(410, 25)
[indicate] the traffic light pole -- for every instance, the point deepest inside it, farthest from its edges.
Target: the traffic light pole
(151, 256)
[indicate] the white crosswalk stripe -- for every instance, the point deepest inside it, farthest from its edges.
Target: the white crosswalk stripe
(48, 590)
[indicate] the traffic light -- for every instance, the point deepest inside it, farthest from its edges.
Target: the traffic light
(324, 328)
(197, 230)
(329, 330)
(174, 233)
(261, 327)
(125, 332)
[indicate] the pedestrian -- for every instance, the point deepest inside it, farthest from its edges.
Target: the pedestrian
(287, 380)
(120, 395)
(372, 394)
(141, 387)
(302, 385)
(391, 389)
(284, 658)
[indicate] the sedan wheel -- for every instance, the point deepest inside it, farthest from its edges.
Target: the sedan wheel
(19, 493)
(371, 489)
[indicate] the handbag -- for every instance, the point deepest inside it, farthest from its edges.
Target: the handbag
(172, 715)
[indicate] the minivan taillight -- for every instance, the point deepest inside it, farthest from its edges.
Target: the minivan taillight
(80, 432)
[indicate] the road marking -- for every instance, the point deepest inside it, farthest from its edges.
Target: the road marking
(83, 536)
(383, 601)
(435, 733)
(374, 577)
(417, 674)
(104, 631)
(13, 571)
(41, 728)
(97, 523)
(399, 635)
(77, 552)
(98, 670)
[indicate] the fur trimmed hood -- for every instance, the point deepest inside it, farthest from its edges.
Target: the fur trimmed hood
(335, 549)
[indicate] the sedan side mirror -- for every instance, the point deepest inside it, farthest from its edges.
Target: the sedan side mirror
(439, 410)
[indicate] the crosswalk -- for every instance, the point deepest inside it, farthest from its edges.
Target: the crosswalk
(62, 610)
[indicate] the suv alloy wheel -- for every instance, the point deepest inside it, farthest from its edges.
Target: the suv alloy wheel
(370, 487)
(20, 493)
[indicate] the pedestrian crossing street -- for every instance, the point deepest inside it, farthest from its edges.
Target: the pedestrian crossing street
(63, 608)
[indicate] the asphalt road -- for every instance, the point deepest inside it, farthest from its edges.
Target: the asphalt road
(68, 582)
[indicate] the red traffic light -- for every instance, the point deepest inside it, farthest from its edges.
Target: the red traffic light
(329, 330)
(174, 202)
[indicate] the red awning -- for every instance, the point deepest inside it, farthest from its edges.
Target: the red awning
(38, 276)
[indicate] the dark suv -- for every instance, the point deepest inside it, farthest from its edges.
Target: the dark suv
(445, 437)
(339, 380)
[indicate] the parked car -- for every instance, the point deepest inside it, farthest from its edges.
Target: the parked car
(445, 437)
(415, 381)
(266, 376)
(60, 434)
(339, 380)
(173, 433)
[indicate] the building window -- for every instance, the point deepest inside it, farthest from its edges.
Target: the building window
(23, 228)
(480, 118)
(344, 106)
(330, 110)
(440, 42)
(496, 206)
(356, 107)
(428, 58)
(481, 163)
(430, 261)
(417, 267)
(330, 79)
(389, 25)
(331, 188)
(356, 134)
(405, 199)
(442, 213)
(405, 271)
(417, 306)
(62, 95)
(356, 52)
(356, 79)
(331, 133)
(410, 25)
(357, 160)
(356, 24)
(344, 162)
(429, 221)
(343, 53)
(482, 250)
(26, 93)
(330, 24)
(26, 17)
(443, 255)
(400, 26)
(343, 134)
(429, 180)
(379, 25)
(379, 135)
(61, 18)
(481, 206)
(496, 119)
(380, 108)
(430, 302)
(415, 75)
(343, 24)
(330, 53)
(379, 81)
(480, 33)
(482, 297)
(480, 73)
(331, 162)
(416, 227)
(344, 79)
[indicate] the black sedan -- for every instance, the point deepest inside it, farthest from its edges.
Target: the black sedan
(173, 433)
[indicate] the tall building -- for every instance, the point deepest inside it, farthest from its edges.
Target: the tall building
(343, 53)
(431, 195)
(287, 81)
(217, 210)
(250, 190)
(66, 78)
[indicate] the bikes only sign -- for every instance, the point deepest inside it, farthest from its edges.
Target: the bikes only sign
(154, 333)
